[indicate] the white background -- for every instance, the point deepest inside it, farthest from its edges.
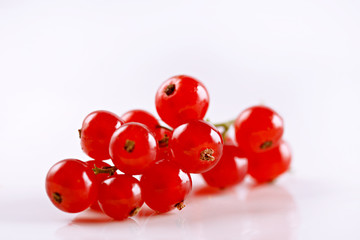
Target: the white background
(60, 60)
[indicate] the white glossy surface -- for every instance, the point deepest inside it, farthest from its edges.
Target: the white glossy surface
(292, 208)
(59, 60)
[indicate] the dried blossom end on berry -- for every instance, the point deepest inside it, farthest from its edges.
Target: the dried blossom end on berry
(170, 89)
(180, 205)
(266, 144)
(164, 142)
(134, 211)
(57, 197)
(207, 155)
(129, 146)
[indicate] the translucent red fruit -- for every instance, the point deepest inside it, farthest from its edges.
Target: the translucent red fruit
(165, 186)
(268, 165)
(141, 116)
(163, 136)
(120, 196)
(230, 170)
(181, 99)
(258, 129)
(132, 148)
(229, 140)
(69, 185)
(96, 132)
(99, 178)
(197, 146)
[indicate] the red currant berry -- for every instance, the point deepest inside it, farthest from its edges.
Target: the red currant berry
(132, 148)
(229, 140)
(164, 186)
(181, 99)
(163, 136)
(266, 166)
(96, 132)
(120, 196)
(141, 116)
(99, 178)
(230, 170)
(196, 146)
(258, 129)
(69, 185)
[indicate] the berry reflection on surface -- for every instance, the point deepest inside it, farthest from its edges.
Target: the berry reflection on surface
(246, 211)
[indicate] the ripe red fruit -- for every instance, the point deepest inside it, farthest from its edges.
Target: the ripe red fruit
(69, 185)
(229, 140)
(258, 129)
(120, 196)
(230, 170)
(163, 136)
(181, 99)
(141, 116)
(96, 132)
(164, 186)
(132, 148)
(99, 178)
(196, 146)
(268, 165)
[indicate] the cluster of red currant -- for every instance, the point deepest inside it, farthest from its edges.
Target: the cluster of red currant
(138, 144)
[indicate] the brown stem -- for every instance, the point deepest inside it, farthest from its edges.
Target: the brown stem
(107, 170)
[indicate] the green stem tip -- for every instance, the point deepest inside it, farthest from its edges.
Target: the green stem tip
(226, 126)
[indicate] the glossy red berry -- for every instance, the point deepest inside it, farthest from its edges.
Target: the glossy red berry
(229, 140)
(230, 170)
(268, 165)
(258, 129)
(163, 136)
(99, 178)
(69, 185)
(181, 99)
(165, 186)
(141, 116)
(96, 132)
(196, 146)
(120, 196)
(132, 148)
